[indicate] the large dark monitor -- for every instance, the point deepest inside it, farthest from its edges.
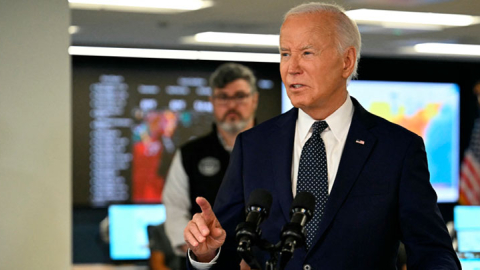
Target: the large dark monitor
(431, 110)
(130, 115)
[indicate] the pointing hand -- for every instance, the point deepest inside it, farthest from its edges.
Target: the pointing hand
(204, 234)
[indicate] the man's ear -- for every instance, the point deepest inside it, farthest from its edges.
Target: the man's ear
(349, 60)
(255, 99)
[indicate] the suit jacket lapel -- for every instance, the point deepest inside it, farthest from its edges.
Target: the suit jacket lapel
(282, 143)
(354, 156)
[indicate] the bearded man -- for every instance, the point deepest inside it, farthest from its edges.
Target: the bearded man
(198, 167)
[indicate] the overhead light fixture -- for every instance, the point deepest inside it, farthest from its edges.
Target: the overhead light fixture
(411, 20)
(237, 39)
(448, 49)
(73, 29)
(150, 6)
(174, 54)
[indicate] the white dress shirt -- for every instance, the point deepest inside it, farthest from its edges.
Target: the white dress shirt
(334, 138)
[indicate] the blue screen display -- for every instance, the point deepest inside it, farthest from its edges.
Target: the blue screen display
(470, 264)
(128, 229)
(466, 221)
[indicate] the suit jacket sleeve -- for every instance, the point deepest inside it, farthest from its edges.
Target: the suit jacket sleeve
(230, 207)
(427, 242)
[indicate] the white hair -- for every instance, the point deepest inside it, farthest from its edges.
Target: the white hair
(346, 29)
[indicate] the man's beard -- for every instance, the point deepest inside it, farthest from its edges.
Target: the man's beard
(233, 127)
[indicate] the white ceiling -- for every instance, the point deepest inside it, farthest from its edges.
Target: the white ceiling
(165, 31)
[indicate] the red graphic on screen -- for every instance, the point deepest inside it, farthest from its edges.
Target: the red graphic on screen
(148, 146)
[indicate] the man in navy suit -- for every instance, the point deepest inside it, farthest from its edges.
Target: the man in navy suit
(378, 181)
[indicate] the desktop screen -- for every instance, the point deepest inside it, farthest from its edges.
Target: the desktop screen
(470, 264)
(467, 225)
(466, 220)
(128, 229)
(431, 110)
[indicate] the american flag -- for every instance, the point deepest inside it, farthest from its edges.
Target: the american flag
(470, 171)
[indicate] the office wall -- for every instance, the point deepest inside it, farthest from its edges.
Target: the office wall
(35, 143)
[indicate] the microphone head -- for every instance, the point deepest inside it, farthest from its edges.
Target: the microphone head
(304, 200)
(260, 198)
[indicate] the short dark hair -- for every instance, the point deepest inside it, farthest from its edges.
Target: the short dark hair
(230, 72)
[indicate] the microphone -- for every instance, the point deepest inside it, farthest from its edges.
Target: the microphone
(248, 232)
(293, 233)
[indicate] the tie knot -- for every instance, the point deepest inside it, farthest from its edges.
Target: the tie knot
(319, 127)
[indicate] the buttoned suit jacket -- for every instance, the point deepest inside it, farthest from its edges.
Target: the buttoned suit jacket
(381, 195)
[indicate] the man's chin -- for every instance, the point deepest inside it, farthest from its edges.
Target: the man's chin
(232, 120)
(298, 104)
(233, 127)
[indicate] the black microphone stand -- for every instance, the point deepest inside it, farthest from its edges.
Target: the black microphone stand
(271, 264)
(292, 237)
(244, 249)
(248, 233)
(284, 249)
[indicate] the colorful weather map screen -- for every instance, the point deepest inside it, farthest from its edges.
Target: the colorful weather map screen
(430, 110)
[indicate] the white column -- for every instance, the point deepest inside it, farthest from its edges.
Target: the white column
(35, 141)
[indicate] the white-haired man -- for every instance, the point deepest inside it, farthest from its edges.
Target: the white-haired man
(369, 176)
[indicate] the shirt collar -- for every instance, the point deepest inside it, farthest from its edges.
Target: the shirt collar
(220, 139)
(223, 143)
(338, 122)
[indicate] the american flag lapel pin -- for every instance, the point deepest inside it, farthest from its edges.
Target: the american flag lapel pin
(362, 142)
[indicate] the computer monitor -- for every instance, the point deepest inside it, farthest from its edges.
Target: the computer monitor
(431, 110)
(128, 229)
(466, 220)
(130, 115)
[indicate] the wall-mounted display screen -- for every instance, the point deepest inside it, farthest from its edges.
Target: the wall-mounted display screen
(130, 115)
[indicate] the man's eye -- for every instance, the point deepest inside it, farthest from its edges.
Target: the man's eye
(307, 53)
(284, 54)
(240, 96)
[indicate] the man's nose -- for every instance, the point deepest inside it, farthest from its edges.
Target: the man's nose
(294, 66)
(231, 102)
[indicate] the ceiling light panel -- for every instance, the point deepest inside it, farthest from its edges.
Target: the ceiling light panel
(448, 49)
(73, 29)
(149, 6)
(174, 54)
(237, 39)
(390, 18)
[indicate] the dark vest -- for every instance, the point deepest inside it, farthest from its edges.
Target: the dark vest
(205, 162)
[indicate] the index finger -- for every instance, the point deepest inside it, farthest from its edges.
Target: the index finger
(207, 211)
